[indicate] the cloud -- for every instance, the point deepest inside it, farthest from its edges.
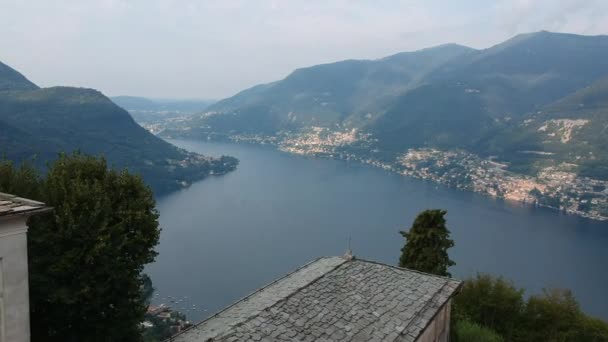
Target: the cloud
(200, 48)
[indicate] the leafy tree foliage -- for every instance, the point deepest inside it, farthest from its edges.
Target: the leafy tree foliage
(23, 180)
(491, 302)
(555, 316)
(496, 304)
(466, 331)
(86, 257)
(427, 244)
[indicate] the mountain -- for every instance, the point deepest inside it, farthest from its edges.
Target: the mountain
(530, 70)
(448, 96)
(143, 104)
(524, 120)
(474, 96)
(11, 79)
(573, 129)
(154, 113)
(341, 93)
(39, 123)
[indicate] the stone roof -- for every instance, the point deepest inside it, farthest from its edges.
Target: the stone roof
(13, 205)
(332, 299)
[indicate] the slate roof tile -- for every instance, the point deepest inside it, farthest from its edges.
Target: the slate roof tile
(332, 299)
(13, 205)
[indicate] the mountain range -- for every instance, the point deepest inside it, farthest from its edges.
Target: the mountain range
(38, 123)
(533, 100)
(152, 114)
(526, 119)
(144, 104)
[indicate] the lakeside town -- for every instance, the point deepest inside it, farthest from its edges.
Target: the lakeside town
(557, 187)
(161, 322)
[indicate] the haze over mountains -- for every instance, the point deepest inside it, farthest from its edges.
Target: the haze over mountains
(143, 104)
(490, 102)
(525, 120)
(153, 114)
(536, 104)
(38, 123)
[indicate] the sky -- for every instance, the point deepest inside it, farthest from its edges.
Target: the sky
(213, 49)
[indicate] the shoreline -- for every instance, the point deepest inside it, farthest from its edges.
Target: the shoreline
(393, 168)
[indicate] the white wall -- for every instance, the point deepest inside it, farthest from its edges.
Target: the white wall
(14, 294)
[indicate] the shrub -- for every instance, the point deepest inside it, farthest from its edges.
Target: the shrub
(466, 331)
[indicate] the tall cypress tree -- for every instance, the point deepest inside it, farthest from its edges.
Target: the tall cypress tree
(427, 244)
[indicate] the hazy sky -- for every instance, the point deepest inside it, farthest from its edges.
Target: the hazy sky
(212, 49)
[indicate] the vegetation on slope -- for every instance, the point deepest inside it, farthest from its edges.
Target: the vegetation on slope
(449, 97)
(573, 129)
(38, 124)
(341, 93)
(10, 79)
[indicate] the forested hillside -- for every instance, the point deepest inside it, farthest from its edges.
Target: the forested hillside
(534, 104)
(37, 124)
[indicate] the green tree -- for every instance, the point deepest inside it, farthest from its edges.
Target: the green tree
(23, 180)
(495, 304)
(555, 315)
(466, 331)
(490, 302)
(552, 316)
(427, 244)
(592, 329)
(86, 257)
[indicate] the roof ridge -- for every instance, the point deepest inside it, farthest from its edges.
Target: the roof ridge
(407, 269)
(27, 201)
(7, 196)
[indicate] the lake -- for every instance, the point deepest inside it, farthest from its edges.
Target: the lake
(226, 236)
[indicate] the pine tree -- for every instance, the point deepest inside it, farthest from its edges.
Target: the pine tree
(427, 244)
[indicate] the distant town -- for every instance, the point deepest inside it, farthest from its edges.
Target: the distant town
(161, 322)
(557, 187)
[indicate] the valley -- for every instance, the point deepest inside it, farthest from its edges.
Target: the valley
(558, 187)
(405, 171)
(514, 121)
(37, 124)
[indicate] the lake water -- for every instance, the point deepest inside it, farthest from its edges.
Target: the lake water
(226, 236)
